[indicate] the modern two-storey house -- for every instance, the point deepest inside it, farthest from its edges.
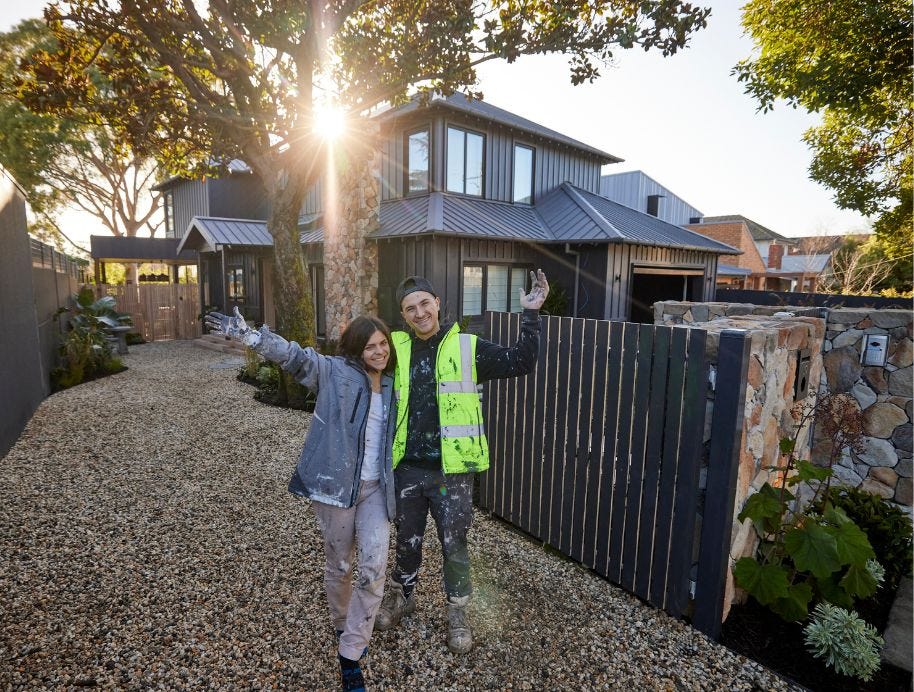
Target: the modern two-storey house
(472, 197)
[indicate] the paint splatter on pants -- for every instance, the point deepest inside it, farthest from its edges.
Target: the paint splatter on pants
(450, 500)
(365, 523)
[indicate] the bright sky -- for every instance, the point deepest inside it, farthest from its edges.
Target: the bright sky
(683, 120)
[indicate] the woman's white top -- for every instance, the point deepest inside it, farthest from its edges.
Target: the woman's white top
(374, 436)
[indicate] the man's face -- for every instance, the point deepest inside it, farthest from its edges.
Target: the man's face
(420, 310)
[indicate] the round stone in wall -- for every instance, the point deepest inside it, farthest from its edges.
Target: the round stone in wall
(900, 382)
(877, 452)
(842, 367)
(880, 420)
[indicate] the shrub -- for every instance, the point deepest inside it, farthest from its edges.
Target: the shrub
(887, 527)
(807, 556)
(846, 642)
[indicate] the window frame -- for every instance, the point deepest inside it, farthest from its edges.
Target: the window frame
(168, 208)
(447, 154)
(427, 129)
(526, 267)
(532, 149)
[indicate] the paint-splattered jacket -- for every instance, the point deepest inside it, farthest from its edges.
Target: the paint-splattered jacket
(493, 362)
(330, 465)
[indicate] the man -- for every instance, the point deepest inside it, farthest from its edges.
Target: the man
(440, 442)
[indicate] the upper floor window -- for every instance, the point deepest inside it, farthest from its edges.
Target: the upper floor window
(464, 161)
(168, 205)
(417, 162)
(523, 174)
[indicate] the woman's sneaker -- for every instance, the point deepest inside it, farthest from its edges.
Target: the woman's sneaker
(394, 606)
(351, 675)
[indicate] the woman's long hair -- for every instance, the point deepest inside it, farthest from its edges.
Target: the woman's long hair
(356, 335)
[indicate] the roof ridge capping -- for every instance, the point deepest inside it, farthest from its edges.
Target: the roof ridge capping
(595, 216)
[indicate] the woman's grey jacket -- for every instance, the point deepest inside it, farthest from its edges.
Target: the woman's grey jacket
(330, 466)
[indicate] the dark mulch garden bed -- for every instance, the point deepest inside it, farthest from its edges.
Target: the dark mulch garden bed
(298, 397)
(759, 634)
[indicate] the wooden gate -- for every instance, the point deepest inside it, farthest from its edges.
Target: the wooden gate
(598, 452)
(160, 312)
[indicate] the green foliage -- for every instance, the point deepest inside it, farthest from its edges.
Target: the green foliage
(85, 352)
(887, 528)
(556, 303)
(851, 61)
(809, 554)
(844, 641)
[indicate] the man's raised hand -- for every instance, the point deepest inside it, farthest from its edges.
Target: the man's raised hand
(538, 292)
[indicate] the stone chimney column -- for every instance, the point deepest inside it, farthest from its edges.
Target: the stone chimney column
(352, 200)
(775, 255)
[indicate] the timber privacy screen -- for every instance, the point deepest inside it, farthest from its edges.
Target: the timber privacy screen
(598, 451)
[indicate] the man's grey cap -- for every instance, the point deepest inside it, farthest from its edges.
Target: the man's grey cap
(411, 284)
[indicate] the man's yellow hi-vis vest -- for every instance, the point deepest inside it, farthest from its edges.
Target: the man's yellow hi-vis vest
(463, 441)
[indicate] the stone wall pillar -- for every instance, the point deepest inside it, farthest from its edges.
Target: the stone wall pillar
(352, 200)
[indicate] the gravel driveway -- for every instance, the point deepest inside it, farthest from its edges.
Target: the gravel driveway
(147, 540)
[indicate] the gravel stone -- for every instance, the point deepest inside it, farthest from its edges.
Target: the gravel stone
(147, 541)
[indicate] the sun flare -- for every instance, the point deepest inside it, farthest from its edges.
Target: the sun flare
(329, 121)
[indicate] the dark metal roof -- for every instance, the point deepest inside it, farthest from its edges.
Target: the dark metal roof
(758, 231)
(234, 166)
(109, 248)
(208, 234)
(482, 109)
(730, 270)
(575, 215)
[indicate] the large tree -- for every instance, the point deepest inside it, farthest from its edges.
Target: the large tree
(243, 78)
(68, 162)
(850, 60)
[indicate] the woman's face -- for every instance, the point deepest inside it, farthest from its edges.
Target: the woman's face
(376, 352)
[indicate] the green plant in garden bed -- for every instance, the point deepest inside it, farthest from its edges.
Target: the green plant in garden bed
(807, 556)
(85, 352)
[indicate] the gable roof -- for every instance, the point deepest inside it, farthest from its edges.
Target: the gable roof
(208, 234)
(802, 264)
(483, 109)
(758, 231)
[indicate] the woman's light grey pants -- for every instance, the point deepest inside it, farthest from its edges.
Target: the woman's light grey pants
(364, 524)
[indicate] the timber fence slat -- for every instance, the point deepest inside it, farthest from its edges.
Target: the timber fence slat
(608, 460)
(541, 415)
(583, 463)
(595, 482)
(570, 459)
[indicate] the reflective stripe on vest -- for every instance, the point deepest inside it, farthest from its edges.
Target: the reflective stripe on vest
(463, 442)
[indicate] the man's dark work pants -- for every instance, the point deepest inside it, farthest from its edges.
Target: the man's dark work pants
(449, 497)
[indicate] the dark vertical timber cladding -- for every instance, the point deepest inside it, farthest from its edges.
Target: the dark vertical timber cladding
(542, 414)
(636, 466)
(684, 510)
(723, 466)
(652, 455)
(668, 465)
(514, 422)
(594, 507)
(523, 429)
(608, 459)
(622, 461)
(561, 432)
(586, 470)
(572, 467)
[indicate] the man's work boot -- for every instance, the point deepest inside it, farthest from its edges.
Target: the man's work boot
(394, 606)
(459, 634)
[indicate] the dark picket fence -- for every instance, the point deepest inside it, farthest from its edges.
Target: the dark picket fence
(598, 452)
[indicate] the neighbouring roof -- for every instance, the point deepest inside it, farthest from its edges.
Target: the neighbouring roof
(758, 231)
(109, 248)
(483, 109)
(234, 166)
(730, 270)
(209, 234)
(802, 264)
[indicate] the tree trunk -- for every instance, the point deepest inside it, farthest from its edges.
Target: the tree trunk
(291, 289)
(352, 204)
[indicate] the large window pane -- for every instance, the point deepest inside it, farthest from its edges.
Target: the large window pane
(497, 288)
(518, 278)
(455, 159)
(474, 165)
(417, 164)
(472, 291)
(523, 174)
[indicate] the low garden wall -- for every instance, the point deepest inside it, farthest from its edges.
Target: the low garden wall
(884, 393)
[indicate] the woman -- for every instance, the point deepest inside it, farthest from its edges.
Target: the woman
(345, 466)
